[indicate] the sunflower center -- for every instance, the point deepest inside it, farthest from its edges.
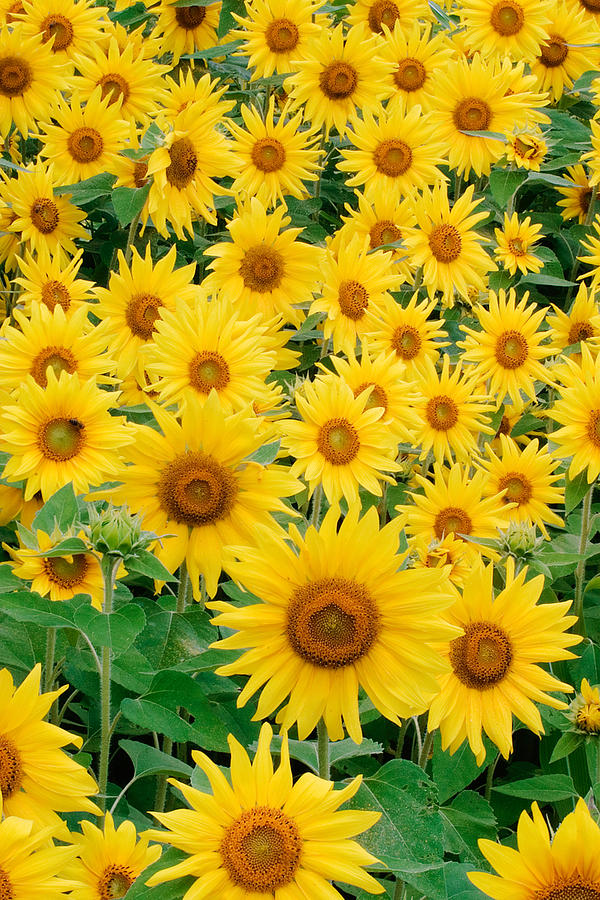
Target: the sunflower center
(393, 157)
(383, 12)
(55, 294)
(209, 370)
(580, 331)
(406, 341)
(575, 889)
(472, 114)
(57, 27)
(338, 80)
(482, 656)
(44, 215)
(377, 397)
(61, 439)
(384, 232)
(11, 771)
(515, 245)
(410, 74)
(332, 622)
(592, 6)
(338, 441)
(588, 718)
(261, 850)
(58, 358)
(441, 413)
(85, 145)
(445, 243)
(281, 36)
(452, 519)
(353, 298)
(262, 269)
(6, 891)
(518, 488)
(189, 17)
(268, 155)
(511, 349)
(13, 12)
(64, 573)
(114, 86)
(140, 172)
(593, 427)
(184, 161)
(585, 194)
(507, 17)
(554, 52)
(141, 314)
(115, 882)
(15, 76)
(197, 490)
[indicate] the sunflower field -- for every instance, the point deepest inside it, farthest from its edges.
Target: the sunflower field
(299, 436)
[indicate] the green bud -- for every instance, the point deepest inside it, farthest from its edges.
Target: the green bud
(115, 532)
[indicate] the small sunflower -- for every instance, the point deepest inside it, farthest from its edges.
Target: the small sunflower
(384, 221)
(47, 282)
(205, 96)
(10, 243)
(576, 200)
(416, 56)
(378, 15)
(507, 348)
(447, 553)
(581, 324)
(68, 27)
(408, 331)
(584, 710)
(578, 411)
(31, 865)
(498, 28)
(336, 614)
(185, 29)
(515, 242)
(592, 245)
(561, 61)
(275, 32)
(526, 149)
(340, 442)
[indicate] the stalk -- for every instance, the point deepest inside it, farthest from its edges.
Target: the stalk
(131, 238)
(426, 749)
(109, 570)
(580, 570)
(183, 589)
(49, 663)
(323, 750)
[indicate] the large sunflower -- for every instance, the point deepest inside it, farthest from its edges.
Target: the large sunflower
(49, 283)
(495, 671)
(408, 331)
(562, 57)
(185, 29)
(31, 865)
(578, 411)
(195, 487)
(497, 28)
(416, 55)
(263, 836)
(30, 79)
(68, 27)
(276, 32)
(336, 614)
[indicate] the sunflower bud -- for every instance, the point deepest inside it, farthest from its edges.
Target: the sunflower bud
(115, 532)
(584, 710)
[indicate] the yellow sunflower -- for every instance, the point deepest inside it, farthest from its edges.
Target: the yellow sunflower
(10, 243)
(275, 32)
(264, 268)
(384, 221)
(507, 347)
(340, 442)
(69, 27)
(195, 487)
(494, 665)
(526, 149)
(416, 56)
(578, 411)
(336, 614)
(592, 245)
(379, 15)
(576, 200)
(584, 709)
(498, 28)
(355, 280)
(277, 157)
(31, 865)
(262, 835)
(339, 75)
(562, 59)
(515, 242)
(408, 331)
(185, 29)
(205, 96)
(49, 283)
(61, 433)
(447, 245)
(447, 553)
(581, 324)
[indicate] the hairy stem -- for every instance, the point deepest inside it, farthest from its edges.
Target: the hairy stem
(426, 749)
(580, 570)
(323, 749)
(109, 571)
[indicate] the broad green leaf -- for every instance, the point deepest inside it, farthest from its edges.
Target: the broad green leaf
(60, 511)
(226, 20)
(129, 202)
(150, 761)
(8, 581)
(171, 890)
(468, 818)
(265, 454)
(546, 280)
(170, 638)
(566, 744)
(145, 563)
(212, 52)
(575, 491)
(29, 607)
(117, 630)
(526, 423)
(543, 788)
(67, 547)
(504, 183)
(453, 773)
(89, 190)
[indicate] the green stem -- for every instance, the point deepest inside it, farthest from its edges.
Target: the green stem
(131, 238)
(161, 787)
(316, 506)
(49, 663)
(399, 889)
(183, 589)
(489, 777)
(426, 749)
(109, 571)
(580, 570)
(382, 506)
(323, 749)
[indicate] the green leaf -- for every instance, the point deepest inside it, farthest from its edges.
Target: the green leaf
(67, 547)
(504, 184)
(526, 423)
(468, 818)
(265, 454)
(89, 190)
(491, 135)
(226, 20)
(153, 137)
(117, 630)
(171, 890)
(8, 581)
(547, 280)
(150, 761)
(554, 180)
(543, 788)
(575, 491)
(453, 773)
(129, 202)
(566, 744)
(28, 607)
(211, 52)
(145, 563)
(60, 511)
(192, 2)
(169, 638)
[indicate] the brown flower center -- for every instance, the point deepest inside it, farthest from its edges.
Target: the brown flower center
(141, 314)
(472, 114)
(515, 246)
(15, 76)
(55, 294)
(338, 80)
(85, 145)
(593, 427)
(585, 195)
(114, 86)
(262, 269)
(14, 11)
(67, 574)
(184, 161)
(554, 52)
(261, 850)
(507, 18)
(406, 341)
(140, 173)
(580, 331)
(410, 74)
(11, 771)
(189, 17)
(384, 232)
(445, 243)
(441, 413)
(44, 215)
(575, 889)
(377, 397)
(511, 349)
(58, 358)
(115, 882)
(383, 12)
(332, 622)
(482, 656)
(393, 157)
(338, 441)
(592, 6)
(57, 27)
(6, 890)
(61, 439)
(452, 519)
(196, 489)
(208, 370)
(518, 488)
(268, 155)
(281, 36)
(353, 299)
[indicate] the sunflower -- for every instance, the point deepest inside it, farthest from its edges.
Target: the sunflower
(339, 75)
(195, 487)
(69, 27)
(515, 241)
(31, 865)
(37, 778)
(204, 346)
(135, 298)
(42, 219)
(498, 28)
(185, 29)
(408, 331)
(48, 283)
(447, 245)
(10, 244)
(567, 867)
(581, 324)
(51, 340)
(384, 221)
(447, 553)
(264, 269)
(30, 79)
(584, 710)
(592, 245)
(495, 670)
(276, 32)
(86, 139)
(416, 56)
(507, 346)
(108, 860)
(205, 96)
(576, 200)
(355, 279)
(526, 149)
(277, 158)
(336, 615)
(263, 836)
(376, 16)
(61, 433)
(561, 61)
(578, 411)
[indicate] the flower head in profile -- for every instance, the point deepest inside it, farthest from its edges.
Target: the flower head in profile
(576, 199)
(577, 409)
